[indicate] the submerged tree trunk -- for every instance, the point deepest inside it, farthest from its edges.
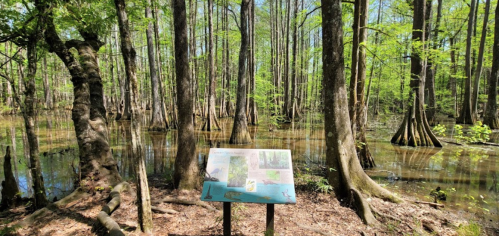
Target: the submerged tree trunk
(415, 130)
(491, 117)
(158, 121)
(240, 134)
(467, 115)
(10, 190)
(346, 174)
(186, 174)
(129, 56)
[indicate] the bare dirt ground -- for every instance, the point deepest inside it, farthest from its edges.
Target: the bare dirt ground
(314, 214)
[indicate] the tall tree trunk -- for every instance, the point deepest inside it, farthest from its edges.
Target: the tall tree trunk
(240, 134)
(347, 177)
(365, 157)
(293, 108)
(186, 174)
(352, 102)
(415, 130)
(287, 95)
(467, 115)
(491, 117)
(211, 117)
(129, 56)
(253, 112)
(157, 115)
(481, 49)
(431, 69)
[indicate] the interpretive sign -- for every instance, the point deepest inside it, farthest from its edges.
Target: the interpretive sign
(249, 175)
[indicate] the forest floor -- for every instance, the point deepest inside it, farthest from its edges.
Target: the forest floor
(314, 213)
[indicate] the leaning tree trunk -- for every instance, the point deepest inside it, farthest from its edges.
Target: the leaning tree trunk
(129, 56)
(491, 117)
(211, 117)
(415, 130)
(186, 175)
(346, 175)
(240, 134)
(158, 121)
(467, 115)
(97, 166)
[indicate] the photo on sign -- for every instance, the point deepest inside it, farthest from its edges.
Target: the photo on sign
(238, 171)
(273, 160)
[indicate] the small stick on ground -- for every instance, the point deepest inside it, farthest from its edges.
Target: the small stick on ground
(430, 203)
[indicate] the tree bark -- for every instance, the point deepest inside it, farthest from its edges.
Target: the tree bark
(129, 56)
(158, 121)
(46, 86)
(467, 115)
(240, 134)
(415, 130)
(345, 173)
(186, 175)
(491, 117)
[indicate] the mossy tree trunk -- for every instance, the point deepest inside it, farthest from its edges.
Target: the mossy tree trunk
(415, 130)
(186, 175)
(240, 134)
(345, 172)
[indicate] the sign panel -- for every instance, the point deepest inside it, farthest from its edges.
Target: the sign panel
(249, 175)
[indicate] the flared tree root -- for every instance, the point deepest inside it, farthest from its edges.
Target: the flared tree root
(30, 220)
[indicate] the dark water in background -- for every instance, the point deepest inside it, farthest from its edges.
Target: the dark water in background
(467, 173)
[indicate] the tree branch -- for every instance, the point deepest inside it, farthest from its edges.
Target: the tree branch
(305, 18)
(235, 17)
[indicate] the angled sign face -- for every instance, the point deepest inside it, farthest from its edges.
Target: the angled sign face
(249, 175)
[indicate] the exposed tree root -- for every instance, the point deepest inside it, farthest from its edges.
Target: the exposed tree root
(75, 195)
(430, 226)
(363, 208)
(104, 215)
(162, 210)
(185, 202)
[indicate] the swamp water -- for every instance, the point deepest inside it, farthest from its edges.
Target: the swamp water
(468, 174)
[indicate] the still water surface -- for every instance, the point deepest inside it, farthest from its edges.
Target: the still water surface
(467, 173)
